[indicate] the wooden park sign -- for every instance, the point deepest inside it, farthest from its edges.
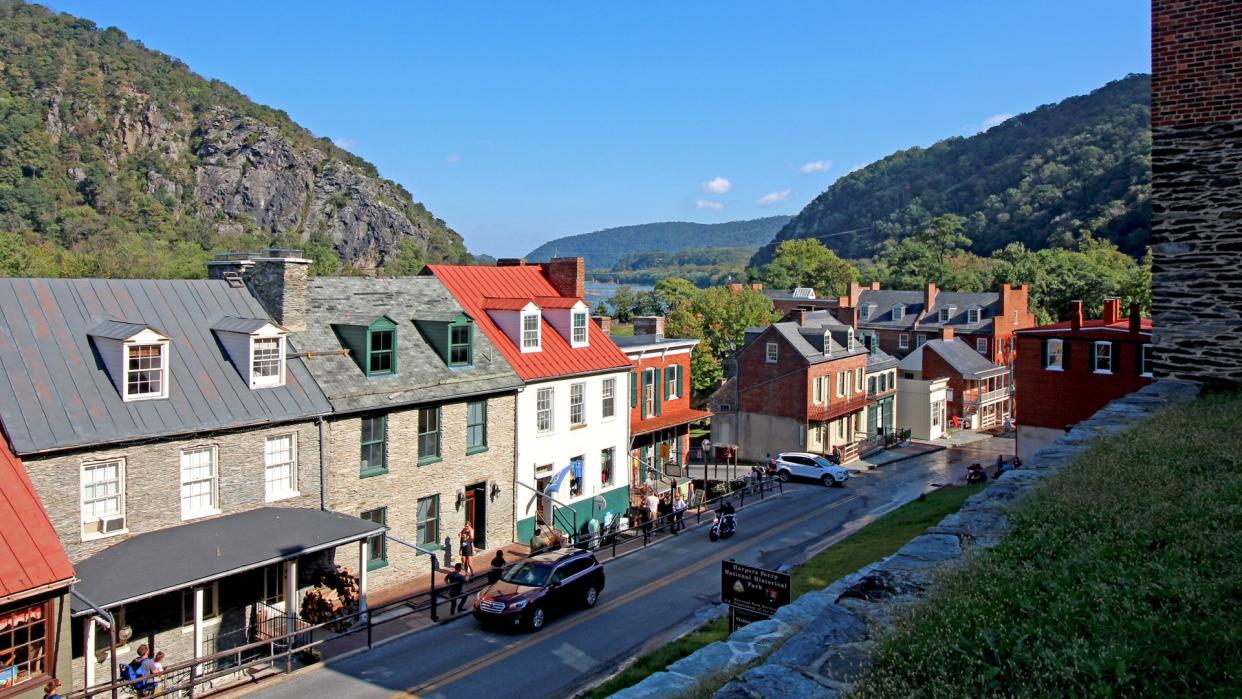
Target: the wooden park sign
(753, 594)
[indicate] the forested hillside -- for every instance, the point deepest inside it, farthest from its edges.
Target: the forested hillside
(701, 266)
(605, 248)
(116, 160)
(1061, 173)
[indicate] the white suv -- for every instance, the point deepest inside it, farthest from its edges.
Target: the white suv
(813, 466)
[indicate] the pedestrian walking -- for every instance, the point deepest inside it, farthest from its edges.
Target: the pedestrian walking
(647, 518)
(679, 513)
(665, 511)
(498, 567)
(466, 539)
(457, 602)
(653, 507)
(51, 690)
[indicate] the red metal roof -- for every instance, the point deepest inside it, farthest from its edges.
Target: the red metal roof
(473, 286)
(557, 301)
(31, 557)
(671, 419)
(498, 304)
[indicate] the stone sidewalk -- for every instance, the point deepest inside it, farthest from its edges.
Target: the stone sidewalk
(818, 645)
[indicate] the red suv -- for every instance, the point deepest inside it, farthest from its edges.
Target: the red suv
(542, 585)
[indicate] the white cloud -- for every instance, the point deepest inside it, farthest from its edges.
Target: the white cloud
(773, 197)
(717, 186)
(344, 142)
(706, 204)
(816, 166)
(452, 158)
(996, 120)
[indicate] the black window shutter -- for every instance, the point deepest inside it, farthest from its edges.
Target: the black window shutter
(1066, 346)
(1044, 352)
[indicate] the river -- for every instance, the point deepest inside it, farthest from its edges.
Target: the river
(603, 291)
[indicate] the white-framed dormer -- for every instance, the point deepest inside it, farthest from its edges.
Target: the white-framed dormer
(136, 357)
(521, 320)
(256, 348)
(974, 314)
(849, 339)
(570, 318)
(827, 343)
(899, 311)
(531, 329)
(947, 313)
(864, 311)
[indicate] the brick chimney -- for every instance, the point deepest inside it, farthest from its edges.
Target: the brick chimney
(1136, 319)
(756, 286)
(848, 315)
(511, 262)
(567, 275)
(1112, 311)
(797, 315)
(279, 281)
(946, 333)
(604, 323)
(1014, 298)
(1075, 315)
(649, 325)
(855, 289)
(875, 286)
(735, 288)
(929, 296)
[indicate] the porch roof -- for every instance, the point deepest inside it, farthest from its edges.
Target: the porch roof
(667, 420)
(170, 559)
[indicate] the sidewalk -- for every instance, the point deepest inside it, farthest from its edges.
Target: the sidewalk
(890, 456)
(957, 438)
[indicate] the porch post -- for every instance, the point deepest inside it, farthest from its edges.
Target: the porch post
(364, 554)
(291, 593)
(198, 628)
(88, 650)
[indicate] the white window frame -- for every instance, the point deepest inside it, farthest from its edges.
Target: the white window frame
(1059, 353)
(270, 495)
(1144, 359)
(1096, 356)
(542, 425)
(771, 353)
(864, 313)
(163, 392)
(608, 399)
(899, 312)
(532, 338)
(574, 327)
(920, 339)
(214, 479)
(120, 497)
(841, 384)
(858, 380)
(579, 403)
(211, 600)
(972, 316)
(903, 341)
(849, 340)
(981, 345)
(944, 315)
(257, 381)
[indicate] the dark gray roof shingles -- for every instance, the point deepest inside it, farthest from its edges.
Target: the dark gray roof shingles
(882, 303)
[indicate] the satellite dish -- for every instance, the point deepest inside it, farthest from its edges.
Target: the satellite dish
(599, 502)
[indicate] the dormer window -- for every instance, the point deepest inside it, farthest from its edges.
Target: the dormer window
(579, 337)
(946, 313)
(864, 313)
(146, 371)
(899, 312)
(381, 351)
(255, 347)
(849, 339)
(531, 340)
(136, 358)
(267, 361)
(461, 341)
(827, 344)
(972, 316)
(372, 343)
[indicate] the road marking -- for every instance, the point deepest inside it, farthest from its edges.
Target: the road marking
(575, 658)
(516, 647)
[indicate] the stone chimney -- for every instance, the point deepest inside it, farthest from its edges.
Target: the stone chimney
(929, 296)
(279, 281)
(1075, 315)
(567, 275)
(231, 266)
(1112, 311)
(1136, 319)
(604, 323)
(511, 262)
(946, 333)
(648, 325)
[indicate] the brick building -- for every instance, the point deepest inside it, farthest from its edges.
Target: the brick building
(659, 395)
(978, 391)
(1196, 191)
(1070, 370)
(176, 449)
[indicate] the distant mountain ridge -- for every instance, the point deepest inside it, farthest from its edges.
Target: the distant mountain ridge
(104, 142)
(605, 248)
(1044, 178)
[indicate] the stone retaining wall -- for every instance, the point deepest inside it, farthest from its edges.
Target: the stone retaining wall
(819, 644)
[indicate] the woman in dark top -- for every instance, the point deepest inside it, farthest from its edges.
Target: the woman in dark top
(498, 567)
(466, 537)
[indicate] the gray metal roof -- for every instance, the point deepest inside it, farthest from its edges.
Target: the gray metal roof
(233, 324)
(959, 355)
(422, 376)
(170, 559)
(118, 330)
(884, 300)
(55, 392)
(649, 340)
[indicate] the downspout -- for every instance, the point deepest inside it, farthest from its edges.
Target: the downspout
(109, 623)
(323, 467)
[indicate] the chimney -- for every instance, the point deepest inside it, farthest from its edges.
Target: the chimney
(735, 288)
(279, 282)
(1112, 311)
(797, 315)
(946, 333)
(649, 325)
(230, 266)
(929, 297)
(604, 323)
(567, 275)
(1136, 319)
(848, 314)
(854, 290)
(511, 262)
(875, 286)
(756, 286)
(1075, 315)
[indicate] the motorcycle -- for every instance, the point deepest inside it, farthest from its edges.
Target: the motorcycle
(723, 526)
(976, 475)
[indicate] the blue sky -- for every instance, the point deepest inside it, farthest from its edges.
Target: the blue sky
(517, 123)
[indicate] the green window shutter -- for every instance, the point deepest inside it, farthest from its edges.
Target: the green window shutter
(633, 389)
(668, 381)
(643, 397)
(681, 389)
(657, 397)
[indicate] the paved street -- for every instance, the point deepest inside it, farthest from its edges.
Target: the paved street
(650, 595)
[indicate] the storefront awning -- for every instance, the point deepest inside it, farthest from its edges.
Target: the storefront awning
(667, 420)
(170, 559)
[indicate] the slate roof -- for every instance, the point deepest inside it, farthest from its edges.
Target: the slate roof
(55, 392)
(808, 342)
(883, 301)
(422, 375)
(471, 285)
(959, 355)
(173, 558)
(31, 557)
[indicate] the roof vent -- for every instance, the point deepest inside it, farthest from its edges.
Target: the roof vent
(234, 279)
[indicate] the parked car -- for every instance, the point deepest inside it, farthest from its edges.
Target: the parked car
(533, 590)
(798, 464)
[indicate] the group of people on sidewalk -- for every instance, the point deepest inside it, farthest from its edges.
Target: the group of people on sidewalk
(146, 668)
(463, 570)
(665, 511)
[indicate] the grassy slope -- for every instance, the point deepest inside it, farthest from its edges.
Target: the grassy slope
(871, 543)
(1123, 577)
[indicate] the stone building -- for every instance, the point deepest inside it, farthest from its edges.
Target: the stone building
(1196, 189)
(175, 444)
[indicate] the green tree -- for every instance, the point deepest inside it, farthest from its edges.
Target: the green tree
(943, 235)
(318, 248)
(672, 291)
(719, 318)
(407, 261)
(624, 303)
(807, 262)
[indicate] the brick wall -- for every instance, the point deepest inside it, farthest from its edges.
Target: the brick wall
(682, 402)
(1197, 189)
(1060, 399)
(772, 389)
(567, 275)
(406, 481)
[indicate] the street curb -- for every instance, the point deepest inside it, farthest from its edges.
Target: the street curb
(936, 448)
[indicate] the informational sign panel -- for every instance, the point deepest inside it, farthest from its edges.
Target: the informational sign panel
(753, 593)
